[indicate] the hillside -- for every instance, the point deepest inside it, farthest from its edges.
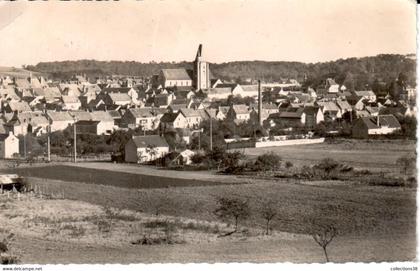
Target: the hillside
(353, 72)
(16, 72)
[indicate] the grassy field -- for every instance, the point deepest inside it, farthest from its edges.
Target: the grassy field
(105, 177)
(56, 231)
(373, 155)
(354, 209)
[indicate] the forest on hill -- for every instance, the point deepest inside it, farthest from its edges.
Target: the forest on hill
(379, 71)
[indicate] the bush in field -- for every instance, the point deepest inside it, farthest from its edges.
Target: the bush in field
(288, 164)
(327, 166)
(406, 164)
(232, 208)
(5, 256)
(231, 162)
(268, 161)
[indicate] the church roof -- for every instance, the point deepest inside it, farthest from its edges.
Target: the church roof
(176, 74)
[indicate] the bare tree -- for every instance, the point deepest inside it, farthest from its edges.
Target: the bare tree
(232, 208)
(268, 212)
(324, 237)
(159, 202)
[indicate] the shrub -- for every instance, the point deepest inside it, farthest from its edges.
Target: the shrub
(8, 259)
(103, 226)
(406, 164)
(75, 231)
(267, 161)
(198, 158)
(289, 164)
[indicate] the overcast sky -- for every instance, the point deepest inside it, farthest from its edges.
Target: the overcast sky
(295, 30)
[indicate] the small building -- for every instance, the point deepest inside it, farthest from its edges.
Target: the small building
(10, 181)
(145, 148)
(9, 145)
(379, 125)
(170, 121)
(139, 117)
(238, 112)
(59, 120)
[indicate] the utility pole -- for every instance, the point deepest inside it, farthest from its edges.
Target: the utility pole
(74, 140)
(199, 141)
(48, 144)
(211, 130)
(24, 145)
(211, 134)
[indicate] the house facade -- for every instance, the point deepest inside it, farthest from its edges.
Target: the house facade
(9, 145)
(145, 148)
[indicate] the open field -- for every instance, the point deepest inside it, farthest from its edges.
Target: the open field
(372, 155)
(66, 231)
(105, 177)
(98, 209)
(355, 209)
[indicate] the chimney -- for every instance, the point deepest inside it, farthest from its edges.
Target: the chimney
(259, 103)
(377, 120)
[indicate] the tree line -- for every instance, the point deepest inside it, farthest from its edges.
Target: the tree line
(376, 71)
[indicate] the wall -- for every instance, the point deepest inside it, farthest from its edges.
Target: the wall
(251, 144)
(289, 142)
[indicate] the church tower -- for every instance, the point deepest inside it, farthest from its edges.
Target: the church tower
(201, 71)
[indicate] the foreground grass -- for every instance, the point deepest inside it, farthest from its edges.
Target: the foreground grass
(67, 231)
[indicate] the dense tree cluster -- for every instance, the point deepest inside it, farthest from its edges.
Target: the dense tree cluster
(379, 72)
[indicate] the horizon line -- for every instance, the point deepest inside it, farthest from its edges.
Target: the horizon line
(217, 63)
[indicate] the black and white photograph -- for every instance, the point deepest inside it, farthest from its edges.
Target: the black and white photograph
(214, 131)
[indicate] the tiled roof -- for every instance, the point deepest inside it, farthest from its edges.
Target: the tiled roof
(240, 108)
(250, 88)
(168, 117)
(384, 120)
(176, 74)
(19, 106)
(188, 112)
(101, 116)
(141, 112)
(59, 116)
(219, 90)
(70, 99)
(149, 140)
(119, 97)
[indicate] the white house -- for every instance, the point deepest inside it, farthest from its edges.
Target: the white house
(145, 148)
(9, 145)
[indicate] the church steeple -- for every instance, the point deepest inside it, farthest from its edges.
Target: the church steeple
(201, 71)
(200, 47)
